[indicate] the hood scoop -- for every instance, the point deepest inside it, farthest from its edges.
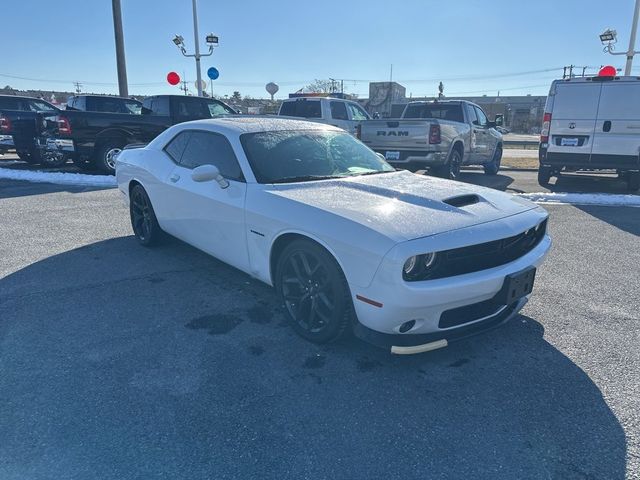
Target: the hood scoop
(460, 201)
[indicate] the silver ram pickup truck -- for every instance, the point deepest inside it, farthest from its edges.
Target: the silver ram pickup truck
(442, 136)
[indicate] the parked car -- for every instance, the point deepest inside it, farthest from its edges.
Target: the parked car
(21, 123)
(409, 262)
(94, 139)
(345, 114)
(442, 136)
(592, 123)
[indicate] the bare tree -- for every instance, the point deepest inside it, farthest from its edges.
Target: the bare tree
(322, 86)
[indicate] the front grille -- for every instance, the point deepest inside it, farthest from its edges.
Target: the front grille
(483, 256)
(469, 313)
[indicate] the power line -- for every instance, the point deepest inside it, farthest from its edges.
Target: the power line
(296, 82)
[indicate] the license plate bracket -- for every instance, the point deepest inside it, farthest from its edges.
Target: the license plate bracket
(517, 285)
(392, 155)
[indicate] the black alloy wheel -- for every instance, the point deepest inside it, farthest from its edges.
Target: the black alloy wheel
(451, 170)
(314, 292)
(143, 218)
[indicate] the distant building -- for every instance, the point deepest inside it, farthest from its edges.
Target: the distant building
(382, 96)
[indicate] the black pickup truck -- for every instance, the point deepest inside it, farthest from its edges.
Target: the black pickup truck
(21, 123)
(93, 139)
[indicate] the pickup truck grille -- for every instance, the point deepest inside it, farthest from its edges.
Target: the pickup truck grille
(483, 256)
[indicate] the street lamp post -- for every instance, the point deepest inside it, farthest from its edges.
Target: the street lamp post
(609, 39)
(211, 39)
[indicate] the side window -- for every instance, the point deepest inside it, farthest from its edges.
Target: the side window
(38, 106)
(161, 106)
(175, 148)
(190, 107)
(214, 149)
(357, 113)
(473, 118)
(482, 118)
(302, 108)
(308, 109)
(288, 109)
(338, 111)
(217, 109)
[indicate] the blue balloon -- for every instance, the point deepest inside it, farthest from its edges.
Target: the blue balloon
(213, 73)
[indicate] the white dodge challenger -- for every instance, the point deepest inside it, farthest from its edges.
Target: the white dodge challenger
(406, 261)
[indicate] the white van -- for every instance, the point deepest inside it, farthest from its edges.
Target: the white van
(592, 123)
(341, 113)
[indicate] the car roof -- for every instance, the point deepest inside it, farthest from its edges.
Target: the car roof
(317, 97)
(24, 97)
(256, 123)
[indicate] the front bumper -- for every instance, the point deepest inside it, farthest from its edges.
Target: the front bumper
(424, 342)
(426, 303)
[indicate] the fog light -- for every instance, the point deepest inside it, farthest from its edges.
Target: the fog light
(406, 326)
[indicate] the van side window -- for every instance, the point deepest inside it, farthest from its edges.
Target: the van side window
(338, 110)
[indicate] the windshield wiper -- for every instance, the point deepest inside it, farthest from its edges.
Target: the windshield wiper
(305, 178)
(375, 172)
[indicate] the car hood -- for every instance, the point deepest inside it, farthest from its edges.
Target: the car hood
(405, 206)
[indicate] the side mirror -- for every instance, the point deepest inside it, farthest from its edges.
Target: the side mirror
(381, 156)
(206, 173)
(499, 120)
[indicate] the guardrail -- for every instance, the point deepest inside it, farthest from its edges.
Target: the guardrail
(523, 144)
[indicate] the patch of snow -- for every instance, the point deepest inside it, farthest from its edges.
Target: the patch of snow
(59, 178)
(604, 199)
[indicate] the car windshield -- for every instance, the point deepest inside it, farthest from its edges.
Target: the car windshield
(304, 155)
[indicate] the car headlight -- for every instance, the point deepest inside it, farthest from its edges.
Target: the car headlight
(418, 266)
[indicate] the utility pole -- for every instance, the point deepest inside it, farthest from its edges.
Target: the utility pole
(197, 40)
(632, 40)
(120, 60)
(211, 39)
(78, 87)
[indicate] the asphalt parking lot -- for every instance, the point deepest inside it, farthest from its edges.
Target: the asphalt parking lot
(120, 362)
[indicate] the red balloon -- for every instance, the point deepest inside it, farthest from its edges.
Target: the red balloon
(607, 71)
(173, 78)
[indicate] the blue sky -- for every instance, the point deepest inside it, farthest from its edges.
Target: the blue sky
(475, 47)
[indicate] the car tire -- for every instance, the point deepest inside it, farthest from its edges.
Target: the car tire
(544, 175)
(450, 170)
(104, 159)
(633, 181)
(493, 167)
(143, 218)
(314, 292)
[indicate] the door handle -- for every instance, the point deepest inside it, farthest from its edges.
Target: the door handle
(174, 178)
(606, 126)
